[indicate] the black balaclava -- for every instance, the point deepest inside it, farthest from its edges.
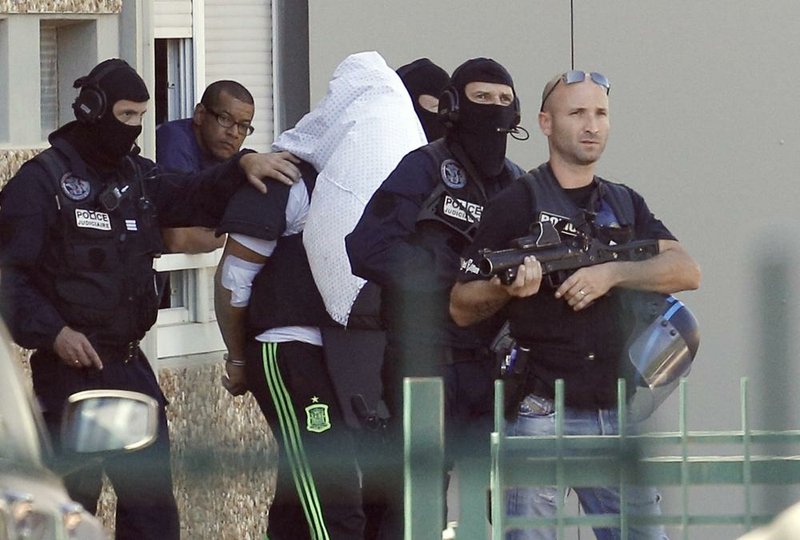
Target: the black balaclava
(105, 141)
(476, 126)
(424, 77)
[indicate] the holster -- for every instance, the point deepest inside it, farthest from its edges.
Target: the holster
(515, 378)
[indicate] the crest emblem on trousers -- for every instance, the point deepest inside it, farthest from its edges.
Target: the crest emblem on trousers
(317, 418)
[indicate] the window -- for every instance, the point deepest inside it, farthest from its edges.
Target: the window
(174, 99)
(66, 48)
(186, 322)
(5, 59)
(48, 72)
(174, 92)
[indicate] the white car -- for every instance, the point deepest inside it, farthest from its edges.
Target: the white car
(34, 505)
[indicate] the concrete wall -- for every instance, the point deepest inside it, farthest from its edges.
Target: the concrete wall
(704, 125)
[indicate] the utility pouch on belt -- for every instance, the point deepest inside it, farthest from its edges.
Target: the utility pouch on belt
(514, 372)
(512, 368)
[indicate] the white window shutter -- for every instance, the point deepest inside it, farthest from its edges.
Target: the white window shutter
(173, 18)
(238, 46)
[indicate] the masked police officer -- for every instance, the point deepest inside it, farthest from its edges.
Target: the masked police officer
(409, 240)
(425, 82)
(79, 228)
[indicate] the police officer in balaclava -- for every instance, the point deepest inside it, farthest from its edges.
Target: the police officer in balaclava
(425, 81)
(100, 138)
(480, 117)
(79, 229)
(409, 242)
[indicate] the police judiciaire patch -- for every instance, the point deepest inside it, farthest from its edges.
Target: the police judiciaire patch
(91, 219)
(76, 189)
(462, 210)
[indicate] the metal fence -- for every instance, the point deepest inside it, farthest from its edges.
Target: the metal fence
(684, 460)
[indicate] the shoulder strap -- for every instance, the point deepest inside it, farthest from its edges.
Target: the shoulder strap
(530, 179)
(440, 151)
(437, 150)
(54, 163)
(620, 200)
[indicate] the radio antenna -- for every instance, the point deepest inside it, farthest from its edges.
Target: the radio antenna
(572, 33)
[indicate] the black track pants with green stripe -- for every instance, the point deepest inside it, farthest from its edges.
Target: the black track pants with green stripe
(317, 496)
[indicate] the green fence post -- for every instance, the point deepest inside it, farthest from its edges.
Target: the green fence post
(423, 447)
(498, 507)
(747, 471)
(684, 439)
(560, 453)
(622, 454)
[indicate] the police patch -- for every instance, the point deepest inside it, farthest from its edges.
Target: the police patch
(562, 224)
(453, 174)
(75, 188)
(317, 419)
(91, 219)
(461, 210)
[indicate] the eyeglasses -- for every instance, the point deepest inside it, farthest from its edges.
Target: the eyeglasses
(575, 76)
(225, 120)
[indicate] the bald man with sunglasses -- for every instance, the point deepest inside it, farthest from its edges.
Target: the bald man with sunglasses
(571, 330)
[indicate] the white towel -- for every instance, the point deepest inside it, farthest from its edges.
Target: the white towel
(354, 138)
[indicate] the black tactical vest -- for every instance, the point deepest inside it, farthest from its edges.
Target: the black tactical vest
(99, 266)
(583, 347)
(445, 226)
(459, 198)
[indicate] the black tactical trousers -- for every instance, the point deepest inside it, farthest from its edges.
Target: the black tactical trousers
(142, 480)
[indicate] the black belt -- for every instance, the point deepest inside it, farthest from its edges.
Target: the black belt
(127, 352)
(455, 356)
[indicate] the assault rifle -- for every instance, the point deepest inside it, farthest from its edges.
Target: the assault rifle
(558, 258)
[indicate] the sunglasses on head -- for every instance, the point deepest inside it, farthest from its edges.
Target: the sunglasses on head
(575, 76)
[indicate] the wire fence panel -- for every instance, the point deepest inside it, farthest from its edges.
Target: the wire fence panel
(684, 461)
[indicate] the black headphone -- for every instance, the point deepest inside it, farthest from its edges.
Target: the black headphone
(91, 103)
(448, 109)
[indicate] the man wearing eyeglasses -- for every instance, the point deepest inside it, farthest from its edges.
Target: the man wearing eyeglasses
(216, 131)
(572, 330)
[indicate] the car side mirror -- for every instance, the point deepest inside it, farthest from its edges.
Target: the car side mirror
(109, 420)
